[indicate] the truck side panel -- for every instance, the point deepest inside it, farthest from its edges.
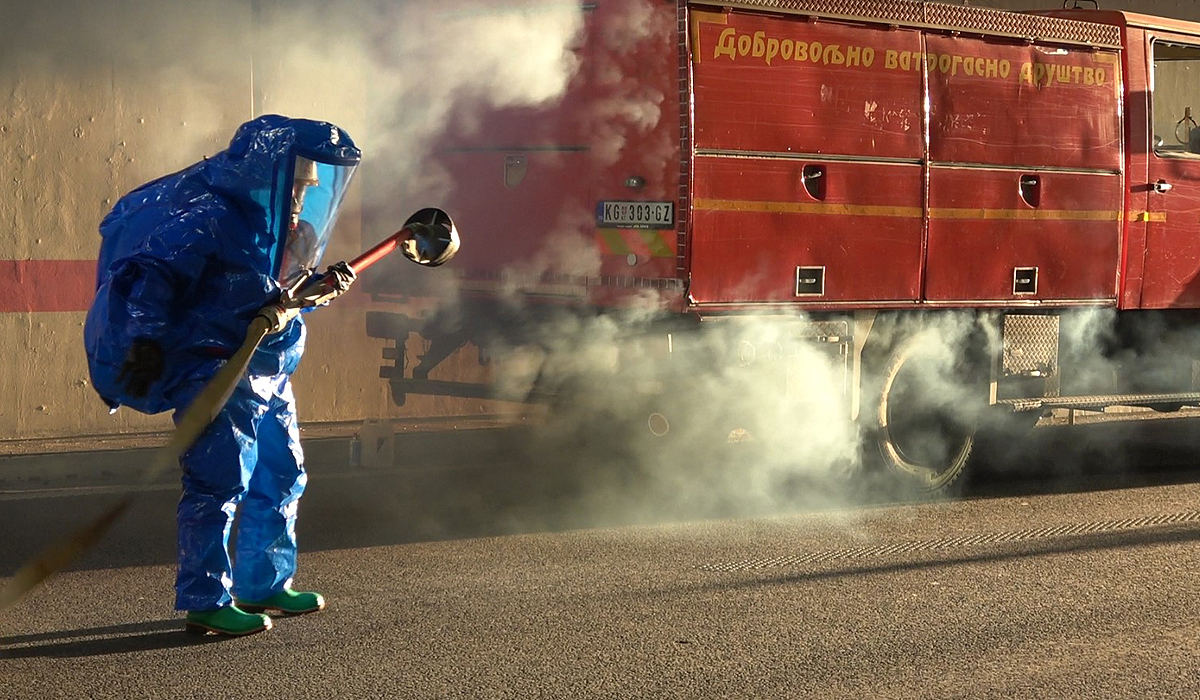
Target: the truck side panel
(787, 85)
(1005, 103)
(758, 234)
(813, 163)
(1025, 185)
(987, 243)
(807, 179)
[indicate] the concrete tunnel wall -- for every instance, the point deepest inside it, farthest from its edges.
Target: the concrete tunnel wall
(100, 97)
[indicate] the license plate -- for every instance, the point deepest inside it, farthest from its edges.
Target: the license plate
(636, 214)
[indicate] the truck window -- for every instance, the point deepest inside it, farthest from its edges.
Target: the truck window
(1176, 99)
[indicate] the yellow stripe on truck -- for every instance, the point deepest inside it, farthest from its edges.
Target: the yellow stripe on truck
(1025, 214)
(702, 204)
(973, 214)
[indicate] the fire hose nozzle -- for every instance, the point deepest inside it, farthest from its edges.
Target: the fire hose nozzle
(427, 238)
(432, 238)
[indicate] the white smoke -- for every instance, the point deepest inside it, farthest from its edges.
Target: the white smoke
(757, 417)
(400, 76)
(629, 107)
(736, 417)
(393, 74)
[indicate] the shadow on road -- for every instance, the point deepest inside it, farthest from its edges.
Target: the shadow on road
(1108, 541)
(100, 641)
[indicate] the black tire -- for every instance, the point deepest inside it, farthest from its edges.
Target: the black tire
(922, 416)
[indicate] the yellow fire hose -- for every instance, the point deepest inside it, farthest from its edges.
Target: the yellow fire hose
(195, 419)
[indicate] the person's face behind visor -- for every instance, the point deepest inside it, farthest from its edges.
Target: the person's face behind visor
(317, 192)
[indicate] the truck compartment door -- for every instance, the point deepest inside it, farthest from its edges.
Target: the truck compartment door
(807, 179)
(1171, 276)
(1025, 188)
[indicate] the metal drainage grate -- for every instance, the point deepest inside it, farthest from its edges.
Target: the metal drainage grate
(945, 543)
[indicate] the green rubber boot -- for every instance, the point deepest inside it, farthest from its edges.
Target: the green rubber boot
(287, 601)
(230, 621)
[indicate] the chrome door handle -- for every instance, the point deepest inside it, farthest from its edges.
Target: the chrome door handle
(1162, 186)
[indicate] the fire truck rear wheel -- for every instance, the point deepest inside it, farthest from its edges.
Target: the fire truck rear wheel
(923, 423)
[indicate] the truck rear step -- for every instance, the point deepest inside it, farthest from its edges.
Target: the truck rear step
(1101, 401)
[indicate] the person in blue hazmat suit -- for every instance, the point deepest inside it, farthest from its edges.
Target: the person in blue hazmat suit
(185, 263)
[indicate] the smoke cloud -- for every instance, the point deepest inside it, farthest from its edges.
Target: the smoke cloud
(751, 416)
(400, 75)
(734, 418)
(393, 74)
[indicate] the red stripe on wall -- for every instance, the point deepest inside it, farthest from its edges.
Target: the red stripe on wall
(46, 285)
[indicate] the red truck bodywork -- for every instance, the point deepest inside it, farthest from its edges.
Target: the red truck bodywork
(949, 157)
(859, 163)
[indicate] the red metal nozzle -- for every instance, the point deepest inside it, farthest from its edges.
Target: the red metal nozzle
(428, 238)
(373, 255)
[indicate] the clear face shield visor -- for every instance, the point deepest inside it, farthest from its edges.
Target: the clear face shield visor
(317, 192)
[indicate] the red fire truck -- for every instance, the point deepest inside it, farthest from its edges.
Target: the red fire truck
(858, 176)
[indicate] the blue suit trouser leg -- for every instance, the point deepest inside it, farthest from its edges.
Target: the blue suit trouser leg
(265, 557)
(216, 472)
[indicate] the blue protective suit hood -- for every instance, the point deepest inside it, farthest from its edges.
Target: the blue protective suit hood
(187, 260)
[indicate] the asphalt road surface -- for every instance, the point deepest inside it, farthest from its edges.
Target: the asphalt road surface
(1069, 571)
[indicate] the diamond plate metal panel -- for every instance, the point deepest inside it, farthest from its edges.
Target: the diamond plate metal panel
(896, 11)
(801, 329)
(961, 18)
(1098, 401)
(1030, 344)
(1020, 25)
(822, 329)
